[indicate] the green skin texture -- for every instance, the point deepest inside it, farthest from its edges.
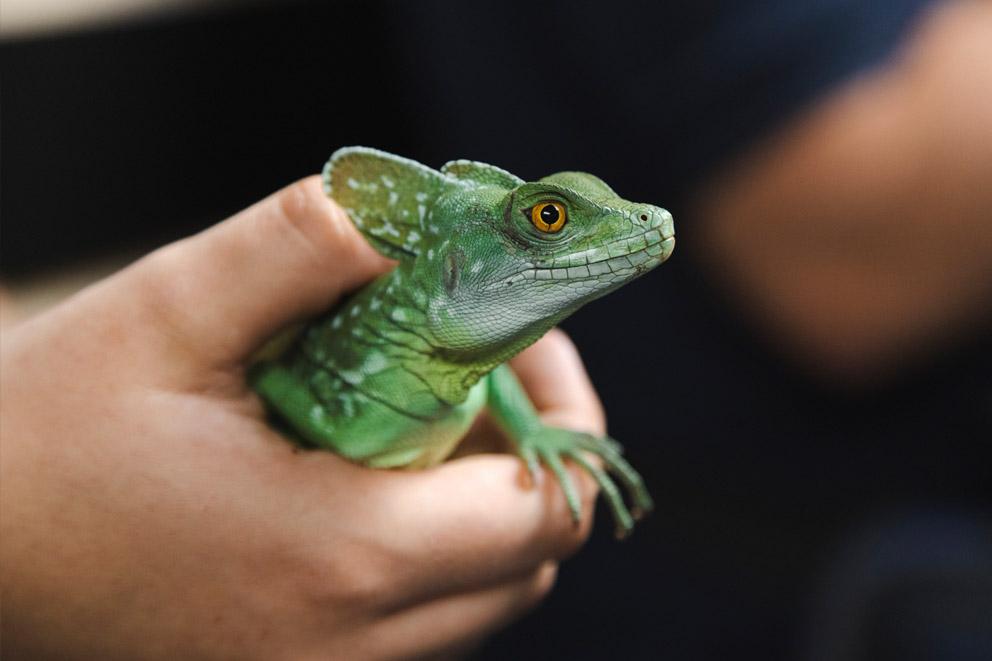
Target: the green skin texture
(395, 376)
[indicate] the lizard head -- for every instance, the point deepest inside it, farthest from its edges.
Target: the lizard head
(524, 259)
(492, 260)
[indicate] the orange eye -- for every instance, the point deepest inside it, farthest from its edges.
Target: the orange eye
(548, 217)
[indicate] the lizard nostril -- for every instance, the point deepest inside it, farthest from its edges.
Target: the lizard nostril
(644, 217)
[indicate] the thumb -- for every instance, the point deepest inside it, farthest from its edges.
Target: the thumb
(228, 289)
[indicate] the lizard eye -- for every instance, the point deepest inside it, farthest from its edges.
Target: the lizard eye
(548, 216)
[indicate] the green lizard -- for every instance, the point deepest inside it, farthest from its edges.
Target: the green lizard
(488, 263)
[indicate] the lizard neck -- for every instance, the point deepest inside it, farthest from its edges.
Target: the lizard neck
(395, 311)
(416, 324)
(397, 307)
(485, 358)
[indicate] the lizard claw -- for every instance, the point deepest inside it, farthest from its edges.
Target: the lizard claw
(552, 445)
(533, 466)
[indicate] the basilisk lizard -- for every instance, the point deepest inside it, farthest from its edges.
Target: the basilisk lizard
(487, 264)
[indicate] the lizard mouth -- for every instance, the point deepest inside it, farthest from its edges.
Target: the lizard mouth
(667, 247)
(612, 264)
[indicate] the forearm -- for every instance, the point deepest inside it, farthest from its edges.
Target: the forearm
(509, 404)
(862, 233)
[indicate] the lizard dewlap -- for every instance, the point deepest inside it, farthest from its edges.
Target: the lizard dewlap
(488, 263)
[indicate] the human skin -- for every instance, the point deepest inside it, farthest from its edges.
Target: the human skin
(868, 221)
(148, 511)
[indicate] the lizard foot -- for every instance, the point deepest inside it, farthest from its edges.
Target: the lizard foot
(549, 445)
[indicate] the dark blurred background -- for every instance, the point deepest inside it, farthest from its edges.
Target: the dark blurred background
(804, 511)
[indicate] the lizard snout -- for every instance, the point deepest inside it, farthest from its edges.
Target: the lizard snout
(656, 218)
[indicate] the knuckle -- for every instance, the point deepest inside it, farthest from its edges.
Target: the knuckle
(583, 530)
(324, 235)
(163, 286)
(588, 493)
(590, 408)
(571, 535)
(543, 582)
(560, 340)
(597, 416)
(320, 225)
(358, 579)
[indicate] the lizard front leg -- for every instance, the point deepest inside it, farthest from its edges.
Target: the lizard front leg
(536, 442)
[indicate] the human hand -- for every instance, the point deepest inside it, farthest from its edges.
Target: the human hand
(149, 512)
(859, 234)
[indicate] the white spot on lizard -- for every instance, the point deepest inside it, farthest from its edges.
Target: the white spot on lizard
(347, 405)
(374, 363)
